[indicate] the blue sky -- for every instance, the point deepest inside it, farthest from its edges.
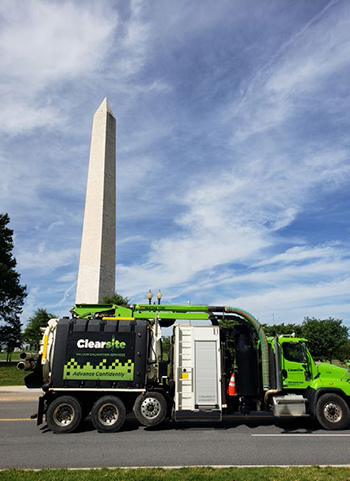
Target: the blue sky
(232, 148)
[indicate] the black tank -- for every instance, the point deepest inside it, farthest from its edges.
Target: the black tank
(100, 354)
(247, 362)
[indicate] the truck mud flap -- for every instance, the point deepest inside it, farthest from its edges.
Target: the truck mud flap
(35, 378)
(39, 419)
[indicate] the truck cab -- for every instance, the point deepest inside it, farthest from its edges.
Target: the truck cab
(324, 387)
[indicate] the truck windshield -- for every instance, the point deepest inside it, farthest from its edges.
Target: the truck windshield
(294, 351)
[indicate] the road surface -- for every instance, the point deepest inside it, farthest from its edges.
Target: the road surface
(258, 441)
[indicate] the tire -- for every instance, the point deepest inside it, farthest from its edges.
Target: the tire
(64, 414)
(150, 409)
(108, 414)
(332, 412)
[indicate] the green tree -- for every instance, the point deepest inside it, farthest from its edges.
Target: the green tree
(32, 334)
(228, 326)
(10, 337)
(326, 337)
(12, 294)
(271, 330)
(343, 354)
(166, 347)
(117, 299)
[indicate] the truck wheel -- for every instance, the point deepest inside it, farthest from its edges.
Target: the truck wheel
(108, 414)
(64, 414)
(332, 412)
(150, 408)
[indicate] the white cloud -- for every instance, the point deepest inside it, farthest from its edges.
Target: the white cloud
(304, 253)
(313, 55)
(296, 76)
(69, 277)
(135, 170)
(233, 219)
(45, 260)
(67, 294)
(43, 43)
(134, 41)
(58, 223)
(299, 300)
(49, 41)
(31, 304)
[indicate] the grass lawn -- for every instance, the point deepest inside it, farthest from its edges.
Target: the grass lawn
(185, 474)
(15, 356)
(10, 375)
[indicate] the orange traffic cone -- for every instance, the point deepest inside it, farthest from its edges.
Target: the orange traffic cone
(231, 390)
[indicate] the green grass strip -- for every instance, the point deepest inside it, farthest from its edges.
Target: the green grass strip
(185, 474)
(15, 356)
(10, 375)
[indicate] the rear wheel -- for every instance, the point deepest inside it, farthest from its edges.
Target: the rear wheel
(64, 414)
(108, 414)
(332, 412)
(150, 408)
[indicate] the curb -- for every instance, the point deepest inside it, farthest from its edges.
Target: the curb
(22, 389)
(218, 467)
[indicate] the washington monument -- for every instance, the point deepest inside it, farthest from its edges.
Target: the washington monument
(96, 275)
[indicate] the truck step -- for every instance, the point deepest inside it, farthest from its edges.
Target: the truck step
(289, 405)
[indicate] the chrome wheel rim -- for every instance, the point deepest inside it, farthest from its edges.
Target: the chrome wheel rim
(63, 415)
(108, 414)
(150, 408)
(332, 412)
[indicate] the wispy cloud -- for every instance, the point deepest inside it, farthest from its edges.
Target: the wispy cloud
(298, 75)
(233, 218)
(45, 259)
(43, 43)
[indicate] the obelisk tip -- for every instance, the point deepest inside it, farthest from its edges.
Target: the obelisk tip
(105, 107)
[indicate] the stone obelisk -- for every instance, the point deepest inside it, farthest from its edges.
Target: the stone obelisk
(96, 275)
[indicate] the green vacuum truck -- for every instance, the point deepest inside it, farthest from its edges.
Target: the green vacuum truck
(107, 360)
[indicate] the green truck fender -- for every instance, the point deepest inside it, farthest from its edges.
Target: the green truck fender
(317, 389)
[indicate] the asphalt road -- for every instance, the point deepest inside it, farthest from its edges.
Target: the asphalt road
(258, 441)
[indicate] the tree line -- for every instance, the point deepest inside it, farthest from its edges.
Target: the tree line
(328, 339)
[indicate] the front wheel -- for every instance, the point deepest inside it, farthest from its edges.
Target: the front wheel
(150, 408)
(64, 414)
(332, 412)
(108, 414)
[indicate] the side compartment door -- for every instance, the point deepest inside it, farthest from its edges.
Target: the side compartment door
(197, 369)
(207, 368)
